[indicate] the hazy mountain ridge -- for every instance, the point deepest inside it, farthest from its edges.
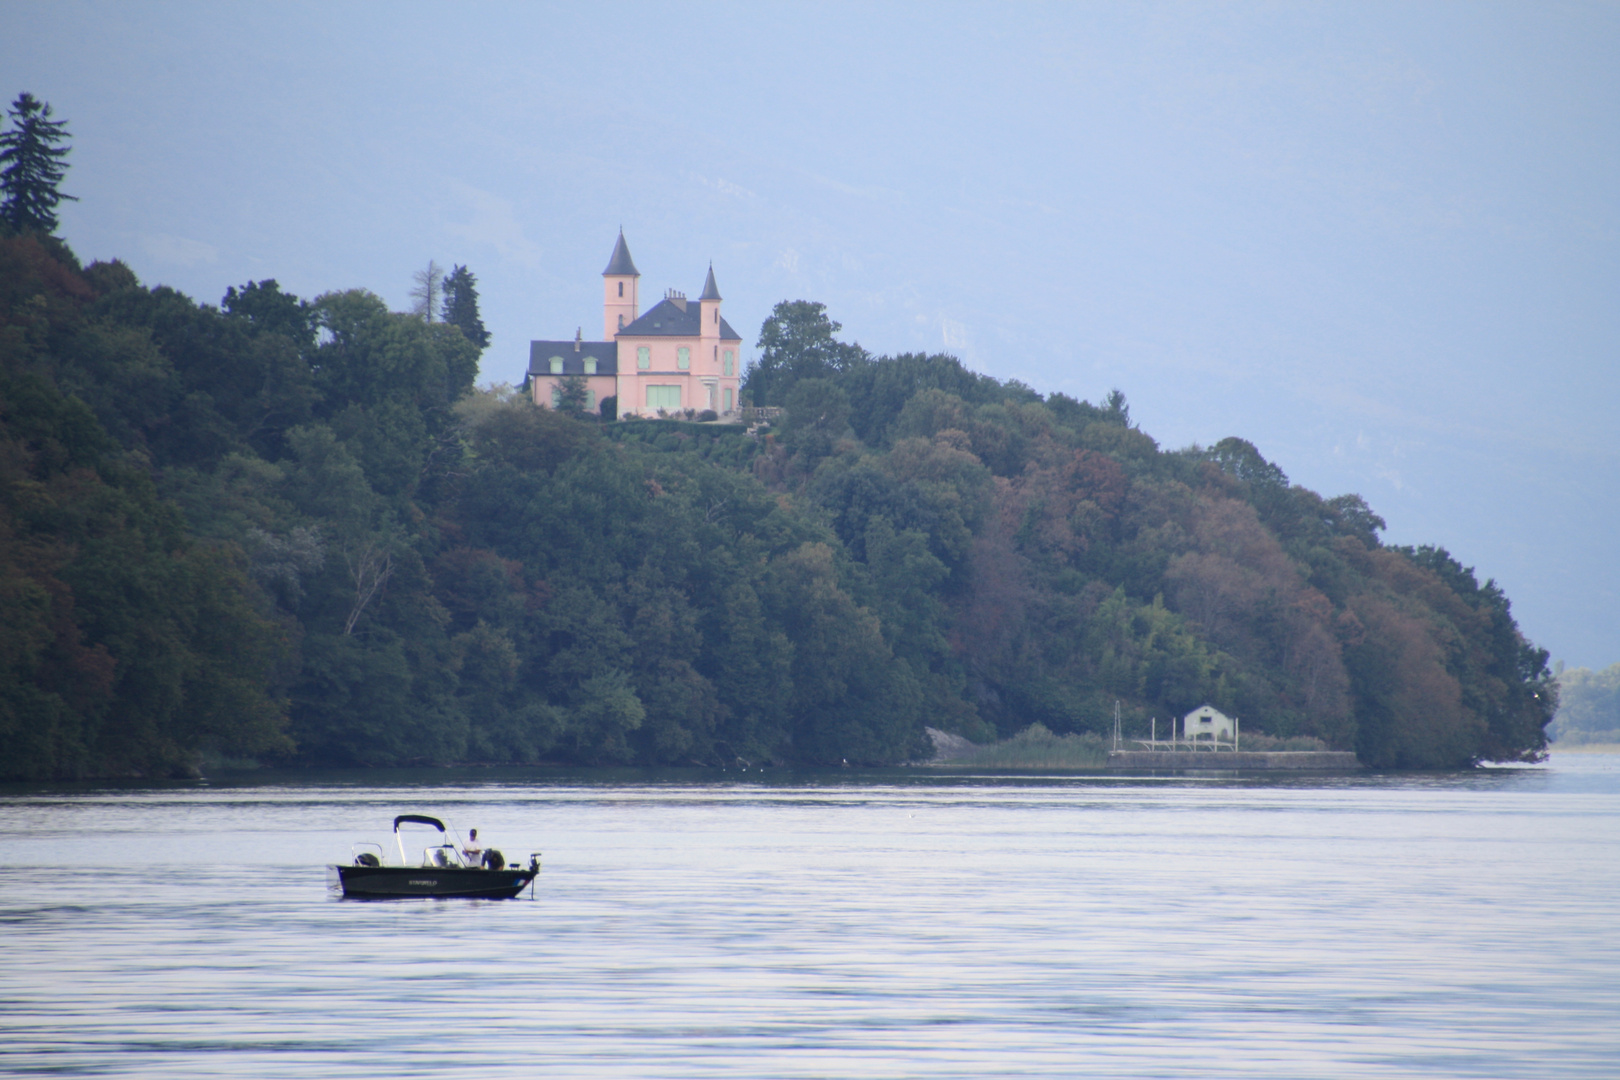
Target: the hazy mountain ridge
(1588, 706)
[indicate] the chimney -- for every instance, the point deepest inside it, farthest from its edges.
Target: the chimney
(578, 332)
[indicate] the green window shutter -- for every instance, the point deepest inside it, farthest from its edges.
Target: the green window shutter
(643, 357)
(663, 397)
(556, 396)
(731, 362)
(556, 365)
(590, 400)
(683, 358)
(728, 397)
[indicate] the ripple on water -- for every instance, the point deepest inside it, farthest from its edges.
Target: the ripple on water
(874, 925)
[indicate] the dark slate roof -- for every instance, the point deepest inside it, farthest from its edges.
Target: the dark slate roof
(541, 352)
(711, 291)
(621, 262)
(666, 319)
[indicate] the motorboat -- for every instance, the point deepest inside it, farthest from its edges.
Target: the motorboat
(444, 871)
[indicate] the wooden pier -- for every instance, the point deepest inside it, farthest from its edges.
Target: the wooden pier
(1227, 760)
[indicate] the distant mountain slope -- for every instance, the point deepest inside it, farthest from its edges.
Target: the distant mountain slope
(1588, 706)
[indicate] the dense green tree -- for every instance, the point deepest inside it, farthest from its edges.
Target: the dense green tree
(32, 165)
(268, 310)
(461, 306)
(130, 649)
(795, 343)
(572, 393)
(853, 700)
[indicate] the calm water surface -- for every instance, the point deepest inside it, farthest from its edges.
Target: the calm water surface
(839, 925)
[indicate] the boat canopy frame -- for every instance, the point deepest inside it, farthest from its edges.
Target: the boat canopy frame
(418, 819)
(440, 849)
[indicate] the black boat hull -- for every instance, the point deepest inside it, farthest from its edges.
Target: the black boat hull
(443, 882)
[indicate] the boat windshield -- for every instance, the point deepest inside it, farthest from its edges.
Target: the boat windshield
(443, 855)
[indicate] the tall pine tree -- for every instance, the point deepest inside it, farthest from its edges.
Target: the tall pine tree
(31, 167)
(461, 306)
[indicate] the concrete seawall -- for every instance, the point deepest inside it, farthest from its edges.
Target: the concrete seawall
(1319, 760)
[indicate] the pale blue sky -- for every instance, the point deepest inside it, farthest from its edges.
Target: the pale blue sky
(1379, 241)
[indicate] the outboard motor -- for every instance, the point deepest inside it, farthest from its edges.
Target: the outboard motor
(494, 860)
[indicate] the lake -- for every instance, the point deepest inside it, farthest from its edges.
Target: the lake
(848, 924)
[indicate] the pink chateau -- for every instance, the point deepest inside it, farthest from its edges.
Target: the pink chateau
(679, 355)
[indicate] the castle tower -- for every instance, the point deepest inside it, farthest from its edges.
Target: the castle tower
(710, 365)
(709, 307)
(620, 305)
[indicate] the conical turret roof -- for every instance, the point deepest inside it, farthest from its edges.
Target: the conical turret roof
(711, 291)
(621, 264)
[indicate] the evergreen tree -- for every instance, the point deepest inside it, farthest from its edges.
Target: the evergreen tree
(32, 167)
(461, 306)
(572, 394)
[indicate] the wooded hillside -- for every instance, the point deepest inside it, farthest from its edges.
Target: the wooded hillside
(293, 530)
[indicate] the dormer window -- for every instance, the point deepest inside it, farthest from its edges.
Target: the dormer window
(556, 365)
(590, 365)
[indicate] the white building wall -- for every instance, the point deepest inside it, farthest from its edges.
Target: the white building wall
(1207, 723)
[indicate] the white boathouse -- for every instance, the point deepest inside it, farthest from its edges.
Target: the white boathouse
(1208, 722)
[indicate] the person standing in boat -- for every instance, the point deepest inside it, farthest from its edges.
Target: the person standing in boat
(474, 853)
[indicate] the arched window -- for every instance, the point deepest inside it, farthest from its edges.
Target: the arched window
(590, 365)
(717, 316)
(621, 322)
(683, 358)
(621, 293)
(556, 365)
